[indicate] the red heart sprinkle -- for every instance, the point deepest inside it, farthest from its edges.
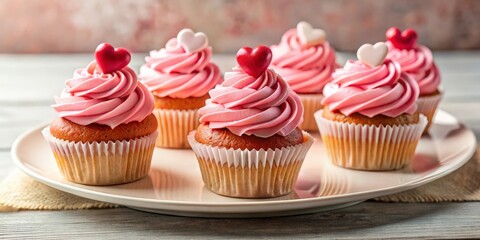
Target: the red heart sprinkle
(254, 61)
(110, 59)
(401, 40)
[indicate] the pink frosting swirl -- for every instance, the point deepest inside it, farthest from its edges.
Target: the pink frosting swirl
(418, 63)
(108, 99)
(174, 73)
(306, 69)
(262, 106)
(371, 91)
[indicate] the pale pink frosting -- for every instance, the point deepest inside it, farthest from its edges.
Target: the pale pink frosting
(418, 63)
(370, 91)
(306, 69)
(174, 73)
(262, 106)
(108, 99)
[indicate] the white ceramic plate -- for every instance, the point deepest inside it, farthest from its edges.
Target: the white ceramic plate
(174, 185)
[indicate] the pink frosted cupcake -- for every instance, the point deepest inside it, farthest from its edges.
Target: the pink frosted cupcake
(179, 76)
(106, 130)
(248, 144)
(369, 121)
(306, 61)
(417, 61)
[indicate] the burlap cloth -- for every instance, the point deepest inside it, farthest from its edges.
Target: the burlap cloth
(20, 192)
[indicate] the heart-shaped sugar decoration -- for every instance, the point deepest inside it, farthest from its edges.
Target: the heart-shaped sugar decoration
(372, 55)
(402, 40)
(254, 61)
(309, 36)
(111, 59)
(192, 42)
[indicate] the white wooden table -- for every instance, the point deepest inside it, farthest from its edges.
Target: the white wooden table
(29, 82)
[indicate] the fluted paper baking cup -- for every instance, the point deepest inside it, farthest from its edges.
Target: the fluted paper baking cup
(311, 104)
(428, 106)
(250, 173)
(174, 126)
(369, 147)
(102, 163)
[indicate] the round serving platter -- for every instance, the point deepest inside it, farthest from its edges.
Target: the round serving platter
(174, 185)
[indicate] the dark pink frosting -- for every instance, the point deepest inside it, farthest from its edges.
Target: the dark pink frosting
(370, 91)
(108, 99)
(306, 69)
(173, 72)
(418, 63)
(262, 106)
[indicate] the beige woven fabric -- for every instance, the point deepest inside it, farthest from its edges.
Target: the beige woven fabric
(20, 192)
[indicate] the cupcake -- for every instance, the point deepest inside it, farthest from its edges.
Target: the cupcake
(369, 121)
(417, 61)
(248, 144)
(106, 131)
(306, 61)
(179, 77)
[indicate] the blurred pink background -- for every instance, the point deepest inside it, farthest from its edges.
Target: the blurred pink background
(63, 26)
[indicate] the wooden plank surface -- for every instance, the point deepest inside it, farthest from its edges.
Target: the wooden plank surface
(25, 97)
(6, 164)
(47, 74)
(367, 220)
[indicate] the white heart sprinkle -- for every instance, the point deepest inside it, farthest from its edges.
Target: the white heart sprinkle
(192, 42)
(310, 36)
(372, 55)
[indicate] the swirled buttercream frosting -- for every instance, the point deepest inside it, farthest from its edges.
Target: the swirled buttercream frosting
(306, 69)
(262, 106)
(370, 91)
(172, 72)
(418, 63)
(115, 98)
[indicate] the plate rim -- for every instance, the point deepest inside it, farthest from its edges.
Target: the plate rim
(77, 190)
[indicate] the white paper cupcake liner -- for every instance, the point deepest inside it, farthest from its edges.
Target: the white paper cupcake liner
(174, 126)
(311, 104)
(369, 147)
(428, 106)
(250, 173)
(103, 163)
